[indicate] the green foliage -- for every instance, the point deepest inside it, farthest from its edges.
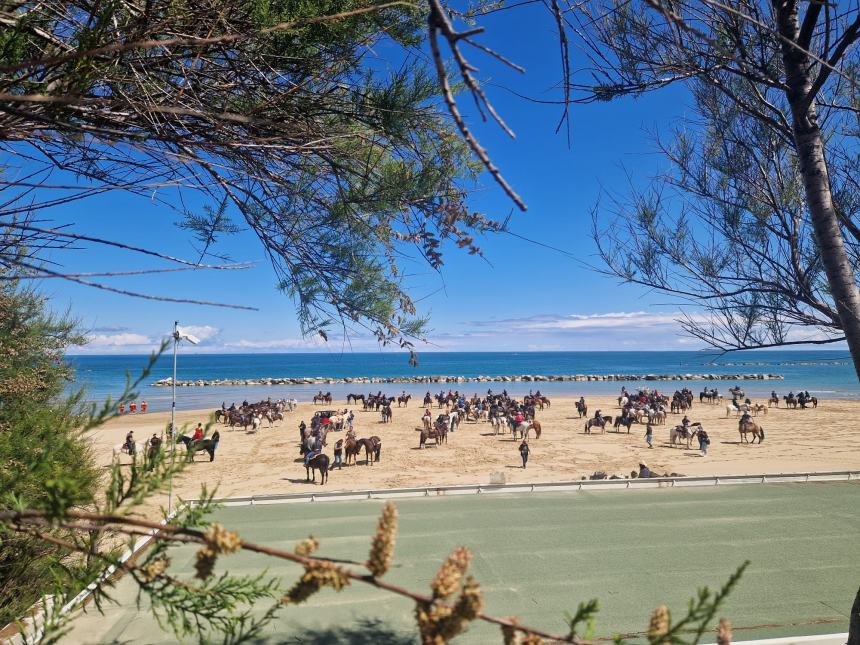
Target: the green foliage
(340, 165)
(43, 459)
(46, 462)
(586, 613)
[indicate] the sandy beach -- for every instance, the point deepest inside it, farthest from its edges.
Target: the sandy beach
(821, 439)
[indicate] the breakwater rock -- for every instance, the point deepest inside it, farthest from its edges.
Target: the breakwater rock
(320, 380)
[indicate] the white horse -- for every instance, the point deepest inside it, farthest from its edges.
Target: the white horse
(256, 423)
(680, 433)
(737, 409)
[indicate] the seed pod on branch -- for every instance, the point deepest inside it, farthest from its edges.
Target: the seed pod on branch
(447, 580)
(382, 548)
(318, 574)
(307, 547)
(220, 540)
(661, 622)
(724, 632)
(152, 570)
(204, 562)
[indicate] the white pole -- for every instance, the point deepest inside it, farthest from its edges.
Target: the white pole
(173, 421)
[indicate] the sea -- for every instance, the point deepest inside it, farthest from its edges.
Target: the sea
(824, 373)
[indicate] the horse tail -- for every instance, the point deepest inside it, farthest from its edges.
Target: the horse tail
(761, 436)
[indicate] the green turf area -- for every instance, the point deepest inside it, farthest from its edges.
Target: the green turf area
(538, 555)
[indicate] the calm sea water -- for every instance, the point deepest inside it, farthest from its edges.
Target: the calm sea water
(826, 374)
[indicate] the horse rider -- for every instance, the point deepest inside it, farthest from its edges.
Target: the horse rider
(198, 433)
(129, 442)
(154, 445)
(315, 450)
(746, 417)
(685, 422)
(597, 415)
(773, 394)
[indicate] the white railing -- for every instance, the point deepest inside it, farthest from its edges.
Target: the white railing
(321, 495)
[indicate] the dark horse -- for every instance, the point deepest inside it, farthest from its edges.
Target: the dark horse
(582, 408)
(318, 463)
(354, 398)
(372, 448)
(204, 445)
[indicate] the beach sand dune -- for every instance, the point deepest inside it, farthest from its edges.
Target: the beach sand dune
(823, 439)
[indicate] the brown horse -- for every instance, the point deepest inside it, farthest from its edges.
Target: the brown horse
(372, 448)
(351, 448)
(534, 425)
(750, 427)
(597, 423)
(322, 398)
(439, 434)
(404, 400)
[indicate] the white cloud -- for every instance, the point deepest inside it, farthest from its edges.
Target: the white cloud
(119, 340)
(276, 343)
(557, 322)
(202, 332)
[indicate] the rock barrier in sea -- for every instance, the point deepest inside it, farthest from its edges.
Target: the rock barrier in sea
(319, 380)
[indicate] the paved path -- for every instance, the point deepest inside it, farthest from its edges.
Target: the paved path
(538, 555)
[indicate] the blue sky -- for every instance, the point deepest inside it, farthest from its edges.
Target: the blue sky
(523, 297)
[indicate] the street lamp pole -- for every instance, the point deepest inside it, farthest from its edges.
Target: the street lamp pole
(173, 421)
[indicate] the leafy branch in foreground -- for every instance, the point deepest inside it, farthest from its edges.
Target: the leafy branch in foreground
(224, 604)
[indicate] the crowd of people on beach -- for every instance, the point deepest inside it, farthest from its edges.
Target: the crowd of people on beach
(645, 406)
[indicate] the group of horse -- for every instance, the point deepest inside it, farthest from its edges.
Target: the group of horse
(504, 414)
(802, 400)
(350, 445)
(644, 407)
(252, 415)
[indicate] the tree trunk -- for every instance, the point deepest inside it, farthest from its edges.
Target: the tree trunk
(816, 180)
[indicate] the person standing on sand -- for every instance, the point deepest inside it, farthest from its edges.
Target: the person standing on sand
(649, 435)
(524, 452)
(338, 455)
(704, 441)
